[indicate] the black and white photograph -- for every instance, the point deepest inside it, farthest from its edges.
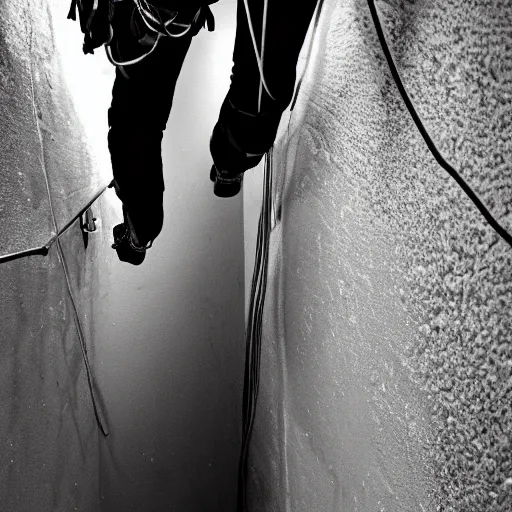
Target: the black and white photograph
(255, 256)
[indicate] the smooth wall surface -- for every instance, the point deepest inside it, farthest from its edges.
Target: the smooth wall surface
(386, 381)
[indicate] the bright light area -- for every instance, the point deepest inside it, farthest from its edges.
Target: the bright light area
(89, 80)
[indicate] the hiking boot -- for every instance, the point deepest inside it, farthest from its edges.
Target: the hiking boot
(127, 250)
(225, 183)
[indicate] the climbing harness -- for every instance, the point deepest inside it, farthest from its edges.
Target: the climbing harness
(148, 23)
(507, 237)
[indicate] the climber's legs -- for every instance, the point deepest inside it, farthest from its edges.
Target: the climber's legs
(141, 103)
(249, 119)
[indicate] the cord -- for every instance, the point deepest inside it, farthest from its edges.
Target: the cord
(154, 23)
(110, 57)
(254, 330)
(160, 26)
(255, 46)
(507, 237)
(262, 46)
(258, 288)
(90, 380)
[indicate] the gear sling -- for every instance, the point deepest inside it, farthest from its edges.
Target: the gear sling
(96, 20)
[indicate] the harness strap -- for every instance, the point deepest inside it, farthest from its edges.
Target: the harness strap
(72, 11)
(209, 20)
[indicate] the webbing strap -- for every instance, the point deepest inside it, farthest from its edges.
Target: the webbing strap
(72, 11)
(209, 18)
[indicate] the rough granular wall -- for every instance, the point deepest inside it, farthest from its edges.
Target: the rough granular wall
(456, 59)
(394, 293)
(46, 140)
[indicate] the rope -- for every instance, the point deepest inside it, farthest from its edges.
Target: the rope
(255, 46)
(154, 23)
(426, 137)
(254, 331)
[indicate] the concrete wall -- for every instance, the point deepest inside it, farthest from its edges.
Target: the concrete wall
(51, 166)
(386, 374)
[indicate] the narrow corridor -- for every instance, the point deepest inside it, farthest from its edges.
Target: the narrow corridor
(170, 334)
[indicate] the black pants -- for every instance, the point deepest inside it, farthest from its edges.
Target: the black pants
(141, 105)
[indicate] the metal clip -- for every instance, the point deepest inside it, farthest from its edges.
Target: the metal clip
(88, 221)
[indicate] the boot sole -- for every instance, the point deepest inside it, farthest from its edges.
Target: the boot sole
(223, 188)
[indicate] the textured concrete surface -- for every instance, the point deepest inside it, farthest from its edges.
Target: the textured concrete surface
(386, 355)
(49, 139)
(25, 213)
(49, 456)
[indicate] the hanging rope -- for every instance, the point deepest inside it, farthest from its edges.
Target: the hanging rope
(259, 282)
(254, 330)
(255, 46)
